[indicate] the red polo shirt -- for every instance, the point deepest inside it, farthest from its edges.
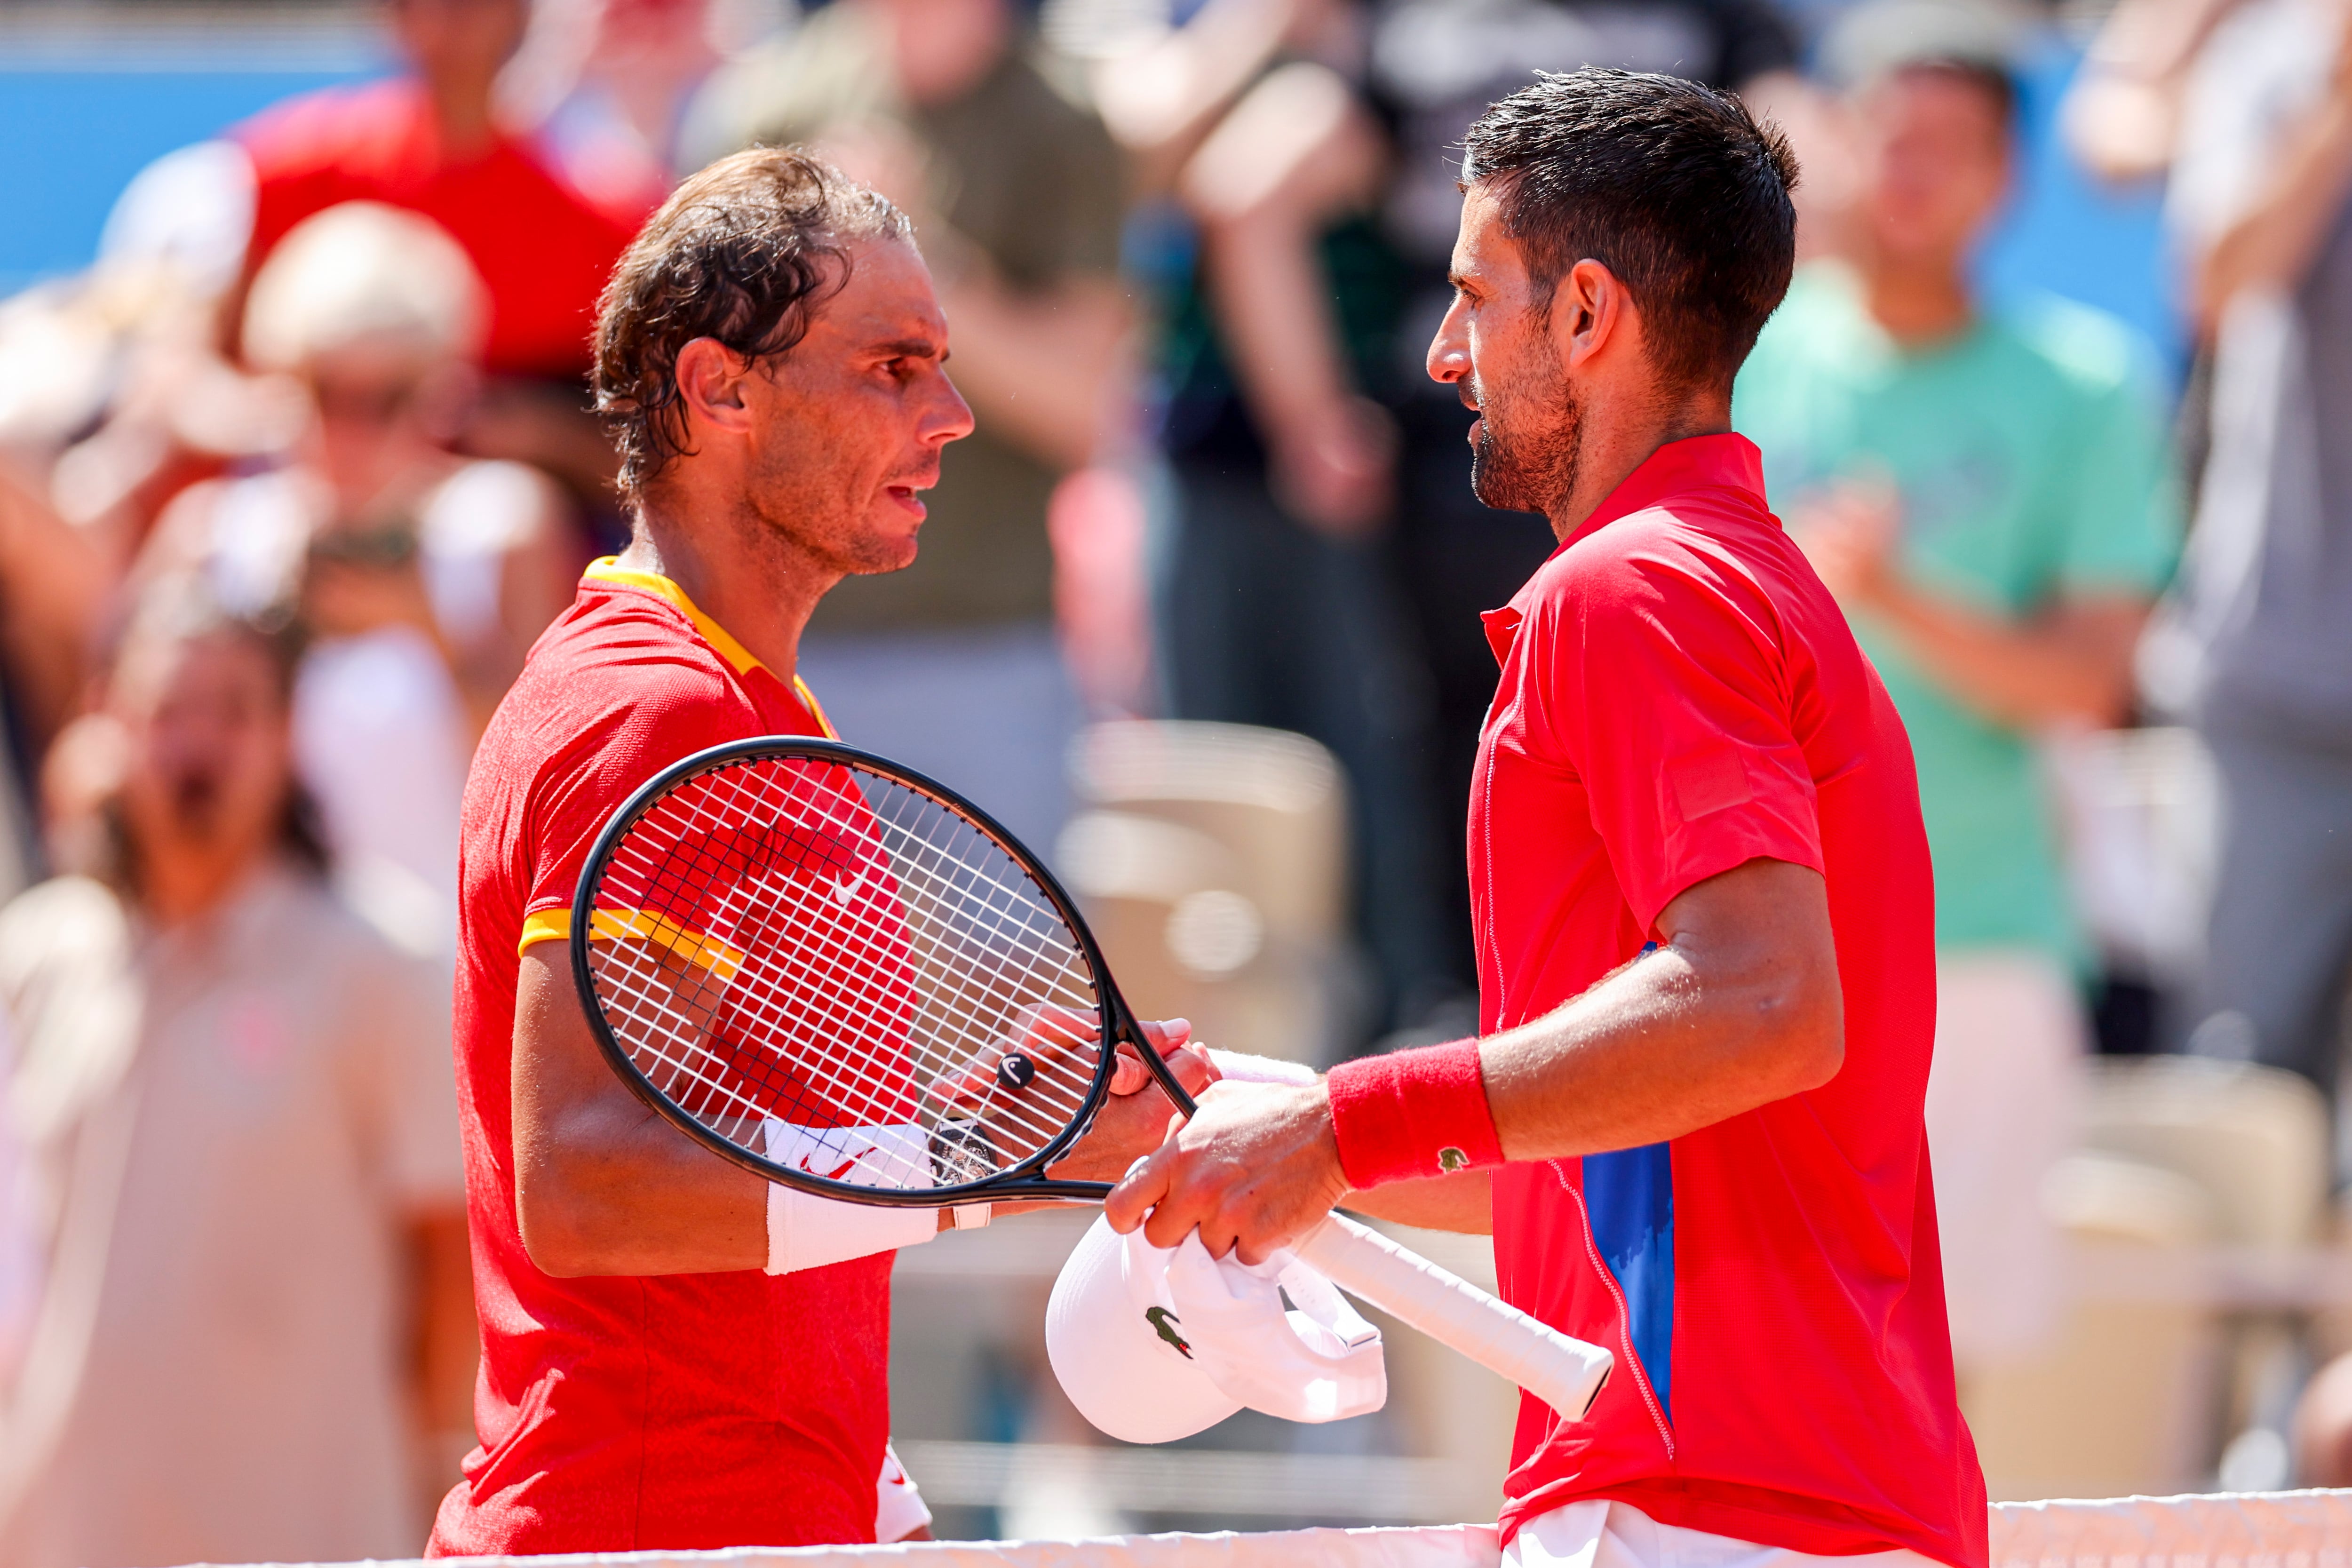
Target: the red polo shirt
(620, 1414)
(1680, 695)
(543, 244)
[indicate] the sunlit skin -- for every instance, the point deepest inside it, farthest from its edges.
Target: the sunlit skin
(794, 473)
(1740, 1006)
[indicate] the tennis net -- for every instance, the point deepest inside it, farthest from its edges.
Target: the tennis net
(2266, 1529)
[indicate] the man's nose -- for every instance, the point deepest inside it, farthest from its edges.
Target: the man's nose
(950, 416)
(1449, 351)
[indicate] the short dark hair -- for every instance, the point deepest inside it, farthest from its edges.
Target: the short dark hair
(1671, 184)
(743, 253)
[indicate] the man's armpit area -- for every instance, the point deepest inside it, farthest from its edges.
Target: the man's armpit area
(1712, 778)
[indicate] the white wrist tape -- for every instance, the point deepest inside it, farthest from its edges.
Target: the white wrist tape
(808, 1232)
(1244, 1068)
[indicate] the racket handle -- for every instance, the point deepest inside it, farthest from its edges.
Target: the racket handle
(1564, 1372)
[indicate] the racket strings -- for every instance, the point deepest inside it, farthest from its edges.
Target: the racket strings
(1048, 979)
(930, 954)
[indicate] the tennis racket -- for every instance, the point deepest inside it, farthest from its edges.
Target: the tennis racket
(844, 977)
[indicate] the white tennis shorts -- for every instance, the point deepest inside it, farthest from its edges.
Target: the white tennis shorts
(1602, 1534)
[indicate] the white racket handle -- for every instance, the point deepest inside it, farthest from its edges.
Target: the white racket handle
(1565, 1374)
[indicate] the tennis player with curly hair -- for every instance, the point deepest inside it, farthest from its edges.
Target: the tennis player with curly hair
(676, 1355)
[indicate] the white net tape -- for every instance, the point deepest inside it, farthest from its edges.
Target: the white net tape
(2268, 1529)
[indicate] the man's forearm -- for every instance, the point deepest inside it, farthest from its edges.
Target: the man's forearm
(1654, 1053)
(1738, 1008)
(2273, 243)
(2076, 665)
(1462, 1202)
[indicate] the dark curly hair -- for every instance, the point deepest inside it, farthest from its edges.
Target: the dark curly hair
(1671, 185)
(742, 253)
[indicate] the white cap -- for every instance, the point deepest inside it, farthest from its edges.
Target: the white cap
(1119, 1347)
(1153, 1345)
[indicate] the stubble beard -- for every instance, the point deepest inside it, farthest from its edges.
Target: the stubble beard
(792, 513)
(1526, 459)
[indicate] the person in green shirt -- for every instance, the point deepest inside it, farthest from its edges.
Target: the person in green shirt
(1986, 491)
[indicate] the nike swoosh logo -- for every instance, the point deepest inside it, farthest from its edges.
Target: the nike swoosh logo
(847, 888)
(838, 1171)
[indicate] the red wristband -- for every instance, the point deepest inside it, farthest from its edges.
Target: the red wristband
(1411, 1114)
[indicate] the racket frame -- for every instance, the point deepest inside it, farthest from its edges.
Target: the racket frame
(1024, 1181)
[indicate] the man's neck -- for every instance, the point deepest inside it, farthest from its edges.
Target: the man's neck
(462, 113)
(1610, 448)
(1919, 303)
(740, 572)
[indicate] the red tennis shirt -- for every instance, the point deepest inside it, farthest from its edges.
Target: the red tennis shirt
(542, 244)
(1680, 695)
(616, 1414)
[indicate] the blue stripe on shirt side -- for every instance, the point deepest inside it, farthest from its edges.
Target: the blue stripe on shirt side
(1630, 1194)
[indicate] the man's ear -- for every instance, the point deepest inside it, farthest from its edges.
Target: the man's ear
(710, 384)
(1591, 311)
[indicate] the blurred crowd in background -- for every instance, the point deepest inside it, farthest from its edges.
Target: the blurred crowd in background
(295, 469)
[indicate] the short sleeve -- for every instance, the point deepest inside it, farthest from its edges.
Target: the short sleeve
(667, 711)
(1669, 693)
(2122, 523)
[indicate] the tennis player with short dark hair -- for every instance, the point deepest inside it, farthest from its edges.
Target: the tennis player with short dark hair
(1692, 1120)
(676, 1355)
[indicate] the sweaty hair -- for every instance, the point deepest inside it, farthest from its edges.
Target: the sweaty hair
(1670, 184)
(742, 253)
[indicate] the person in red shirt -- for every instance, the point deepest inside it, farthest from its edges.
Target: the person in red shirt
(542, 237)
(676, 1355)
(1692, 1119)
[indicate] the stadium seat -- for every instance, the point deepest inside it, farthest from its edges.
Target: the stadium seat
(1213, 870)
(2118, 1403)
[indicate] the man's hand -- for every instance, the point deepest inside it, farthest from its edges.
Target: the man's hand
(1139, 1113)
(1255, 1169)
(1848, 531)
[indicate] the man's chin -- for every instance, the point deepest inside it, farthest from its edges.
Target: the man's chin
(885, 557)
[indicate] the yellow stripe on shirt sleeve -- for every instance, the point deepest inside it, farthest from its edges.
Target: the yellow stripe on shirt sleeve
(544, 925)
(641, 925)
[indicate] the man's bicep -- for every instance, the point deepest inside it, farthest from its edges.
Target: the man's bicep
(557, 1067)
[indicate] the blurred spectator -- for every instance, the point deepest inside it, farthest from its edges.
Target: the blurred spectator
(607, 84)
(1017, 195)
(2257, 649)
(1985, 489)
(2122, 115)
(1275, 606)
(543, 240)
(426, 577)
(53, 583)
(237, 1098)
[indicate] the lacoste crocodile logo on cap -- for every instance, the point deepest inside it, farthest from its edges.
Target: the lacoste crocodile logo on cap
(1451, 1159)
(1162, 1323)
